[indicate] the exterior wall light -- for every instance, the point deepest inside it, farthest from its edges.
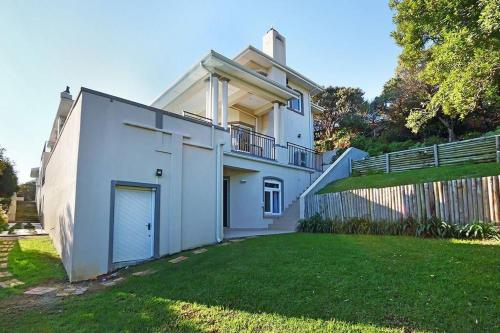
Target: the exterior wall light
(159, 172)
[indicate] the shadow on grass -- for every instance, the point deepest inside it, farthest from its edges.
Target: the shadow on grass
(302, 281)
(33, 260)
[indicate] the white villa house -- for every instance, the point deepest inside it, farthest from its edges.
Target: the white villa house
(228, 146)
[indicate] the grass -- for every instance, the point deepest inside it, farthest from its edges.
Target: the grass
(413, 177)
(33, 261)
(294, 283)
(26, 211)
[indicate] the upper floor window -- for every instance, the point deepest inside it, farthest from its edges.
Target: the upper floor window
(296, 104)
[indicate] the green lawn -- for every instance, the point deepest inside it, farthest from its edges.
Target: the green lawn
(294, 283)
(413, 177)
(32, 261)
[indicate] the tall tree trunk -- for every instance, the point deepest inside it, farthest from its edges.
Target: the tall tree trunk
(448, 123)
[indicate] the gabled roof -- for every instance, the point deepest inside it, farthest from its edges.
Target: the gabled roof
(312, 86)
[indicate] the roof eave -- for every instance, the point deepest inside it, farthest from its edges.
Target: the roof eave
(313, 86)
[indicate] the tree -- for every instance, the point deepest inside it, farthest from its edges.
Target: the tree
(27, 190)
(8, 177)
(345, 112)
(453, 47)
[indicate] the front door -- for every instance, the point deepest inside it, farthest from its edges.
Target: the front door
(225, 202)
(133, 223)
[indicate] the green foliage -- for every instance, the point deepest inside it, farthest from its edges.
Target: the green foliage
(345, 111)
(8, 177)
(435, 227)
(3, 222)
(454, 45)
(315, 224)
(478, 230)
(5, 203)
(27, 190)
(429, 228)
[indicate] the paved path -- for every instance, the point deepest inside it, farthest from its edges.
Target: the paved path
(6, 278)
(240, 233)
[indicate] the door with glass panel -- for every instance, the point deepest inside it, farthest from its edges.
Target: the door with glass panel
(272, 197)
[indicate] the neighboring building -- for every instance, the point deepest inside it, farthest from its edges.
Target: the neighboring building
(229, 145)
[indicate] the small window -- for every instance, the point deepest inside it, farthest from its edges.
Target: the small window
(273, 198)
(295, 104)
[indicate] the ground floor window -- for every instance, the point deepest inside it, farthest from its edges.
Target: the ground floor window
(273, 197)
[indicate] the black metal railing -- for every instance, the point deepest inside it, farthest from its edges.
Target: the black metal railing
(253, 143)
(196, 116)
(304, 157)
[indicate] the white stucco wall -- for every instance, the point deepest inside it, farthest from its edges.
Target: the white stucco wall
(57, 196)
(296, 123)
(111, 150)
(247, 192)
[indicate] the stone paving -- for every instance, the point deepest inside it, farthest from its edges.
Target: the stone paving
(144, 273)
(178, 259)
(6, 279)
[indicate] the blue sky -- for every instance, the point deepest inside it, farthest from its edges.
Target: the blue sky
(135, 49)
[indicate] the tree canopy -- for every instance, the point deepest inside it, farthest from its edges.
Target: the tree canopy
(8, 177)
(452, 47)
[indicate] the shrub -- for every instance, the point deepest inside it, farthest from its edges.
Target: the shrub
(3, 222)
(5, 203)
(432, 227)
(315, 224)
(478, 230)
(435, 227)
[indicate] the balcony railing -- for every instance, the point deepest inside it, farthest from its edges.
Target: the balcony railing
(246, 141)
(304, 157)
(196, 116)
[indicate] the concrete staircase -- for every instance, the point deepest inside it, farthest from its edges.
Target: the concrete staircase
(287, 221)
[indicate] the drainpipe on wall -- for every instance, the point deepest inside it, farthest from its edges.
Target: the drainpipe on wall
(218, 193)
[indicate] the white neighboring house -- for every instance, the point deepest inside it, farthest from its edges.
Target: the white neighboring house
(229, 145)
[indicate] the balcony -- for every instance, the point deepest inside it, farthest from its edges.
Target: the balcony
(249, 142)
(304, 157)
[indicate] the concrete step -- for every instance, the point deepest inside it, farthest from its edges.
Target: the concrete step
(288, 220)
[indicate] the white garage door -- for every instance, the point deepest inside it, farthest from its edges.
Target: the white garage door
(133, 224)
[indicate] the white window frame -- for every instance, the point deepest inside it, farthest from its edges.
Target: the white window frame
(271, 190)
(300, 110)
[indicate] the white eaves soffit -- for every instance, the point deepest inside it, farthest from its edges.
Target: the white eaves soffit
(239, 75)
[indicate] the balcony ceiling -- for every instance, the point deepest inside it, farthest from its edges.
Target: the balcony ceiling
(240, 77)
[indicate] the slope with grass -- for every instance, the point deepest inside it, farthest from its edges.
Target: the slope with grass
(413, 177)
(294, 283)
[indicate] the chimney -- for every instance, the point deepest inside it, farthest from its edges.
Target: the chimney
(274, 45)
(66, 95)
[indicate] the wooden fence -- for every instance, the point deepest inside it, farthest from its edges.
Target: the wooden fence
(455, 201)
(480, 150)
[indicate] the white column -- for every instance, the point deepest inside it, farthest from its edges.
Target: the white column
(282, 124)
(208, 94)
(225, 93)
(276, 122)
(215, 100)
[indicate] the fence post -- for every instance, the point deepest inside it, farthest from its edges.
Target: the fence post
(497, 142)
(387, 163)
(436, 156)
